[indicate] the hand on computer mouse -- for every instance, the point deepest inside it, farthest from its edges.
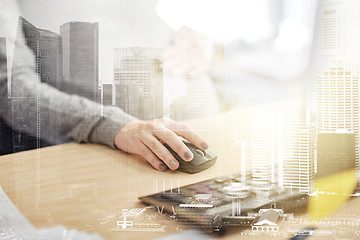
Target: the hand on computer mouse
(146, 138)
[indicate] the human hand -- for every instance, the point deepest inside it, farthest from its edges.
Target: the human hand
(146, 138)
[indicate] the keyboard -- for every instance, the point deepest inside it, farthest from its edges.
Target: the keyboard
(227, 201)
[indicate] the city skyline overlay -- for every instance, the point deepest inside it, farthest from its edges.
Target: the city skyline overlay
(285, 145)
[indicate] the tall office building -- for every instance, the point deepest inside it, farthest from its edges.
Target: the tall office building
(202, 97)
(47, 50)
(204, 92)
(283, 145)
(264, 145)
(332, 25)
(26, 116)
(27, 111)
(51, 58)
(138, 82)
(80, 48)
(337, 85)
(296, 146)
(335, 152)
(25, 120)
(338, 99)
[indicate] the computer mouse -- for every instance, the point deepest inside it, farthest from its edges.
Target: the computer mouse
(202, 159)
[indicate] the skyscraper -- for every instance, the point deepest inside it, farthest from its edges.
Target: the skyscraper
(51, 58)
(283, 145)
(46, 47)
(80, 48)
(138, 81)
(337, 85)
(202, 94)
(338, 99)
(332, 25)
(46, 57)
(296, 146)
(264, 145)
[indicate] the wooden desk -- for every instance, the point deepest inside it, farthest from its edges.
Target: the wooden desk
(79, 185)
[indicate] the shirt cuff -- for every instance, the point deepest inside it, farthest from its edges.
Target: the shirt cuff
(109, 125)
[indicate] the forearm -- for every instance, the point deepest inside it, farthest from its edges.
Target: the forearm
(70, 116)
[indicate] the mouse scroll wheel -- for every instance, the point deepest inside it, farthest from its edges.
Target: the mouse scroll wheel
(199, 152)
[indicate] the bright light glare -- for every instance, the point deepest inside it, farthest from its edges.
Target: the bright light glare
(293, 36)
(221, 20)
